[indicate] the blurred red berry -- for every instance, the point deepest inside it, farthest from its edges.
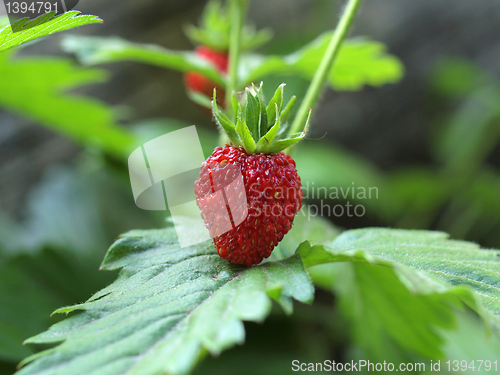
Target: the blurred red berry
(199, 83)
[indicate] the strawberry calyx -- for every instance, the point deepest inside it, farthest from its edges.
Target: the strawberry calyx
(259, 128)
(214, 30)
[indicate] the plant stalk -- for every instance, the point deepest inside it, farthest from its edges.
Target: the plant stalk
(237, 12)
(325, 66)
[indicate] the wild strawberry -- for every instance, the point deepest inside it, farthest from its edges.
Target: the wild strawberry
(273, 197)
(196, 82)
(246, 231)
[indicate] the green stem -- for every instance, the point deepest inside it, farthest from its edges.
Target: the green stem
(237, 11)
(325, 66)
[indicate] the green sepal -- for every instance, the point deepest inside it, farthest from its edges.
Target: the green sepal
(264, 125)
(283, 144)
(252, 114)
(267, 140)
(235, 104)
(286, 112)
(244, 133)
(278, 100)
(224, 122)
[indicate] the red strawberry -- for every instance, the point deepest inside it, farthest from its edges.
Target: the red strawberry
(199, 83)
(273, 197)
(249, 192)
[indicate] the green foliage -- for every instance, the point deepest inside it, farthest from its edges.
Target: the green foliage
(97, 50)
(167, 307)
(36, 88)
(404, 295)
(425, 263)
(360, 62)
(24, 30)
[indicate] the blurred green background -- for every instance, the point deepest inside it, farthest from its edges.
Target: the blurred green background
(430, 145)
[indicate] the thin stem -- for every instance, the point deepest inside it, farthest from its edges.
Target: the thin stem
(325, 66)
(237, 11)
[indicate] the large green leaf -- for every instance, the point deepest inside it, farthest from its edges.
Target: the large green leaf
(36, 88)
(360, 62)
(98, 50)
(404, 286)
(24, 30)
(167, 307)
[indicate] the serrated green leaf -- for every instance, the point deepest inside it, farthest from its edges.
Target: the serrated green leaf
(244, 133)
(424, 264)
(224, 122)
(23, 30)
(36, 88)
(166, 308)
(92, 50)
(271, 107)
(456, 262)
(360, 62)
